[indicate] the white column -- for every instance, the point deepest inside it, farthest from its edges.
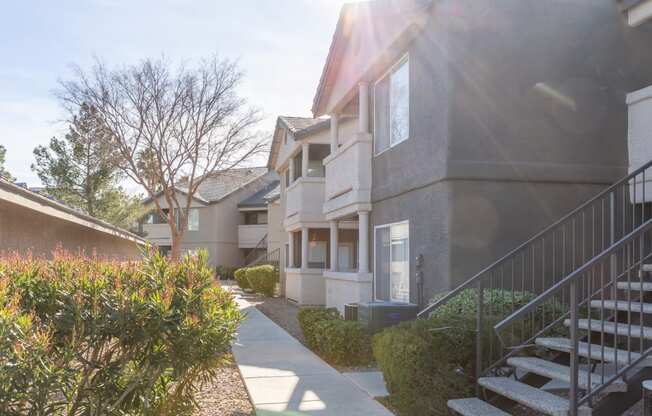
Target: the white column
(334, 244)
(363, 107)
(291, 167)
(304, 247)
(290, 250)
(305, 154)
(363, 241)
(335, 121)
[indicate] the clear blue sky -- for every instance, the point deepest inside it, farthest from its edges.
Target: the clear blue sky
(280, 44)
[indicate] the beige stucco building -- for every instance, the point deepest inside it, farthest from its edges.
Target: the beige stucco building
(224, 218)
(32, 222)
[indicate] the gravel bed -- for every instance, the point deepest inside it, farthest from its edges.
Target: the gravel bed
(225, 395)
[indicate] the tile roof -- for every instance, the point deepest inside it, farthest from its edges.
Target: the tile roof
(296, 124)
(220, 184)
(260, 198)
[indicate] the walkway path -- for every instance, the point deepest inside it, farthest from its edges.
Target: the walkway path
(285, 378)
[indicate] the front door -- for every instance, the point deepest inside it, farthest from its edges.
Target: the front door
(392, 262)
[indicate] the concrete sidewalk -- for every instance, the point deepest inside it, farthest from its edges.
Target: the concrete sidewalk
(285, 378)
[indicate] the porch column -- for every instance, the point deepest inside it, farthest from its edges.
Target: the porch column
(290, 250)
(291, 168)
(334, 243)
(334, 132)
(304, 247)
(363, 107)
(305, 154)
(363, 241)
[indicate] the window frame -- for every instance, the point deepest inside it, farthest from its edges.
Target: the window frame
(391, 70)
(375, 271)
(198, 221)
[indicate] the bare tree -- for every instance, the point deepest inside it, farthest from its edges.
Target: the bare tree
(170, 128)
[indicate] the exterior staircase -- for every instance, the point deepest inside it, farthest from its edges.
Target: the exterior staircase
(576, 338)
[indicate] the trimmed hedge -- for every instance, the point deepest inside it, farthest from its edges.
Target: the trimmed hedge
(262, 279)
(334, 339)
(80, 335)
(425, 364)
(241, 278)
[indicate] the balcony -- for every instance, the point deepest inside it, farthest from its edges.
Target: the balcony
(348, 178)
(158, 233)
(250, 235)
(304, 202)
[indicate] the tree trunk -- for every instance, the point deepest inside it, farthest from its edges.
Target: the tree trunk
(175, 250)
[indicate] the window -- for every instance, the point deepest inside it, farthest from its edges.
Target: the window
(287, 177)
(297, 165)
(392, 107)
(155, 217)
(392, 271)
(255, 217)
(193, 219)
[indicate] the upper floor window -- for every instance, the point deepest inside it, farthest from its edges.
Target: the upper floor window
(392, 107)
(255, 218)
(155, 217)
(193, 219)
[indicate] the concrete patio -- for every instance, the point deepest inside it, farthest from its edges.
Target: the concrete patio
(285, 378)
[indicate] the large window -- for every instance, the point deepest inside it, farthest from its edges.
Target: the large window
(255, 217)
(392, 107)
(154, 217)
(392, 271)
(193, 219)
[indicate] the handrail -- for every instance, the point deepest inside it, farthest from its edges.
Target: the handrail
(471, 281)
(258, 246)
(536, 302)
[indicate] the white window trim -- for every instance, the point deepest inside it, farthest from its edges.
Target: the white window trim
(374, 285)
(389, 71)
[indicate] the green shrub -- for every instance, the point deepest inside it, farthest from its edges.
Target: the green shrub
(225, 272)
(84, 336)
(308, 318)
(262, 279)
(343, 342)
(430, 361)
(334, 339)
(241, 278)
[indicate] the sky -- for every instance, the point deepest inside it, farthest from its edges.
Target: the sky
(280, 44)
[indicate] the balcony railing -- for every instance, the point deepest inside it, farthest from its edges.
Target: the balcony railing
(348, 175)
(305, 200)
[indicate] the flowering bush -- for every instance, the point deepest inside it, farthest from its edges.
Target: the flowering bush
(82, 336)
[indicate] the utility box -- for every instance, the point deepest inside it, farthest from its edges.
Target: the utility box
(351, 312)
(378, 315)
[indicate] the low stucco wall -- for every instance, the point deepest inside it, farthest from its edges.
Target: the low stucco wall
(305, 286)
(22, 229)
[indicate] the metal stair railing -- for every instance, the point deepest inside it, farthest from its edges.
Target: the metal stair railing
(587, 300)
(262, 243)
(273, 258)
(546, 259)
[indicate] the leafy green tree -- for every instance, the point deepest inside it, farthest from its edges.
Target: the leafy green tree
(4, 173)
(81, 170)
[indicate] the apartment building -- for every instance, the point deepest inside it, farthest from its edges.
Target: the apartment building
(449, 141)
(32, 222)
(225, 217)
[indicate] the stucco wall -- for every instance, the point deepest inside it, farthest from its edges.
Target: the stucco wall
(517, 115)
(22, 229)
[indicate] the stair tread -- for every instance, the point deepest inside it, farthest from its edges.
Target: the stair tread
(561, 372)
(597, 352)
(622, 329)
(646, 267)
(529, 396)
(622, 305)
(474, 407)
(636, 286)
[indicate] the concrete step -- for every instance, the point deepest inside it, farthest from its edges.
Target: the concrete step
(623, 305)
(617, 328)
(595, 352)
(536, 399)
(561, 372)
(646, 267)
(474, 407)
(635, 286)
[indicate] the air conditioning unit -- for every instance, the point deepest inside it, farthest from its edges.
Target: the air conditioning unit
(381, 314)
